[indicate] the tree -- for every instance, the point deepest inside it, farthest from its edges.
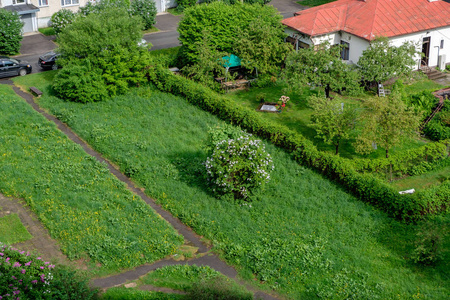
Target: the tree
(10, 32)
(61, 19)
(387, 121)
(146, 10)
(262, 47)
(331, 120)
(381, 61)
(105, 41)
(319, 67)
(225, 23)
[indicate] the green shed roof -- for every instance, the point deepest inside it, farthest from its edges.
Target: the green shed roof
(231, 60)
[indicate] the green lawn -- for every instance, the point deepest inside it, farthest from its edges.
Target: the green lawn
(297, 116)
(312, 3)
(47, 31)
(302, 236)
(91, 213)
(12, 230)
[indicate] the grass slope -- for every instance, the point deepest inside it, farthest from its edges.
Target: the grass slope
(91, 213)
(302, 236)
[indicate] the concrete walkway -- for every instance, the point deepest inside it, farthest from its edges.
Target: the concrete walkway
(191, 238)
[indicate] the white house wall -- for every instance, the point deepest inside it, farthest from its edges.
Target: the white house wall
(436, 35)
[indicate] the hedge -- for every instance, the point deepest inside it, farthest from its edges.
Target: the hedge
(364, 186)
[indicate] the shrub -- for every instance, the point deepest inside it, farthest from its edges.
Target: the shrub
(436, 129)
(10, 32)
(102, 5)
(428, 245)
(80, 84)
(29, 277)
(61, 19)
(183, 4)
(146, 10)
(238, 164)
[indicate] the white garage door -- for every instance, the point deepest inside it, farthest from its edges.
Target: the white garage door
(27, 23)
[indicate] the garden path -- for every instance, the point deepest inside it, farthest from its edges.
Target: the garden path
(191, 238)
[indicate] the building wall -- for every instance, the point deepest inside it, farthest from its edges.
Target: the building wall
(46, 11)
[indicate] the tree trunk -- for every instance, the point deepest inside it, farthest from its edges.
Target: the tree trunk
(337, 147)
(387, 153)
(327, 91)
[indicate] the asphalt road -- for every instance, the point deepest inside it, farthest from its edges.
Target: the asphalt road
(162, 40)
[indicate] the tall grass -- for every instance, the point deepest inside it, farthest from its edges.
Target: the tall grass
(302, 236)
(90, 212)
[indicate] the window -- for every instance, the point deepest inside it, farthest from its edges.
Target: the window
(442, 44)
(43, 2)
(18, 2)
(69, 2)
(345, 52)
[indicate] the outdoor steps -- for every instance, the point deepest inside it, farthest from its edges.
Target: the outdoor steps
(433, 74)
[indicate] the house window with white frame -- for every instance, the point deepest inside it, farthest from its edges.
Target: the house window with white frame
(16, 2)
(43, 2)
(69, 2)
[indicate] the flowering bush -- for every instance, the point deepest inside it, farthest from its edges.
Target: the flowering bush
(145, 9)
(238, 165)
(10, 32)
(25, 276)
(61, 19)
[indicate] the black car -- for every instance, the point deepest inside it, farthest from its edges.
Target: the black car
(12, 67)
(48, 60)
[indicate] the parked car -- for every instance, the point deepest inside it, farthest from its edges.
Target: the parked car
(13, 67)
(48, 60)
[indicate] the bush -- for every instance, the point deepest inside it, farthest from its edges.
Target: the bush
(61, 19)
(80, 84)
(438, 128)
(428, 245)
(183, 4)
(146, 10)
(29, 277)
(238, 164)
(10, 32)
(102, 5)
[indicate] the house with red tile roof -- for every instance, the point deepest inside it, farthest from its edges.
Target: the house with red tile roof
(355, 23)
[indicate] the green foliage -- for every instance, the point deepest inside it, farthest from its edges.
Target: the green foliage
(183, 4)
(386, 122)
(10, 32)
(12, 230)
(365, 186)
(224, 23)
(146, 10)
(80, 83)
(29, 277)
(439, 127)
(381, 61)
(331, 120)
(237, 165)
(208, 64)
(102, 5)
(312, 3)
(91, 214)
(166, 57)
(105, 42)
(120, 293)
(303, 230)
(61, 19)
(428, 244)
(217, 288)
(321, 67)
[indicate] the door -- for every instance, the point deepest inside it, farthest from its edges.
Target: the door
(425, 51)
(27, 21)
(159, 5)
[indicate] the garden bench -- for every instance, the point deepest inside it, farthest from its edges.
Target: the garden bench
(35, 91)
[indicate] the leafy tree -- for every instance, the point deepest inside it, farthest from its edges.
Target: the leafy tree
(387, 121)
(106, 42)
(146, 10)
(208, 65)
(10, 32)
(381, 61)
(320, 67)
(262, 47)
(61, 19)
(225, 23)
(332, 122)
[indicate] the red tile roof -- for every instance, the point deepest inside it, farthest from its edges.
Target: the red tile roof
(371, 18)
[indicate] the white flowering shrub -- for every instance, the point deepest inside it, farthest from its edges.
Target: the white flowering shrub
(237, 166)
(61, 19)
(146, 10)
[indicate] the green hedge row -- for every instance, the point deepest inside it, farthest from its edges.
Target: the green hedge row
(406, 163)
(364, 186)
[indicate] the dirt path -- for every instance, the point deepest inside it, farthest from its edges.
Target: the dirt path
(191, 238)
